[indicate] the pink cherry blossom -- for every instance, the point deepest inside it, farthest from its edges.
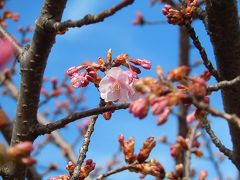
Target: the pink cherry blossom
(117, 85)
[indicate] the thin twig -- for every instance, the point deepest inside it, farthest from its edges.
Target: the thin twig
(114, 171)
(211, 157)
(202, 52)
(224, 84)
(48, 128)
(233, 118)
(88, 19)
(84, 148)
(187, 159)
(227, 152)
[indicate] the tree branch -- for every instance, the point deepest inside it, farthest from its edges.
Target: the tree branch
(114, 171)
(84, 148)
(88, 19)
(229, 117)
(202, 52)
(224, 84)
(211, 157)
(187, 159)
(227, 152)
(48, 128)
(224, 30)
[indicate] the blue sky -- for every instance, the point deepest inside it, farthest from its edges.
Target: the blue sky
(157, 43)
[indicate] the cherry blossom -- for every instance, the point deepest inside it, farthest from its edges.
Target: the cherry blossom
(117, 85)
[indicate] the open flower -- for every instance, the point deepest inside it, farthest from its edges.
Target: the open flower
(117, 85)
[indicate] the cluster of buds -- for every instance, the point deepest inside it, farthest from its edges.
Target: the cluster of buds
(140, 165)
(116, 85)
(20, 152)
(182, 145)
(84, 172)
(82, 79)
(182, 16)
(162, 94)
(151, 167)
(128, 149)
(139, 19)
(7, 14)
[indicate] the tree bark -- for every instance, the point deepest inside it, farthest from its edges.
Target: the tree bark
(32, 66)
(223, 27)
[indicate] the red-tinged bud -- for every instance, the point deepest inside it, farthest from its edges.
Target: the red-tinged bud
(140, 62)
(203, 175)
(175, 150)
(162, 118)
(28, 161)
(134, 69)
(70, 167)
(182, 142)
(86, 169)
(197, 152)
(79, 80)
(196, 144)
(139, 108)
(20, 150)
(158, 105)
(54, 80)
(73, 70)
(127, 148)
(139, 20)
(107, 115)
(146, 149)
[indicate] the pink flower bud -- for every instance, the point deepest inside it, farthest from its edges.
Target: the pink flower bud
(140, 62)
(139, 108)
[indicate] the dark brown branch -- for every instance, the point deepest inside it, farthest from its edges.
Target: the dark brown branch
(48, 128)
(84, 148)
(224, 30)
(202, 52)
(88, 19)
(114, 171)
(224, 84)
(227, 152)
